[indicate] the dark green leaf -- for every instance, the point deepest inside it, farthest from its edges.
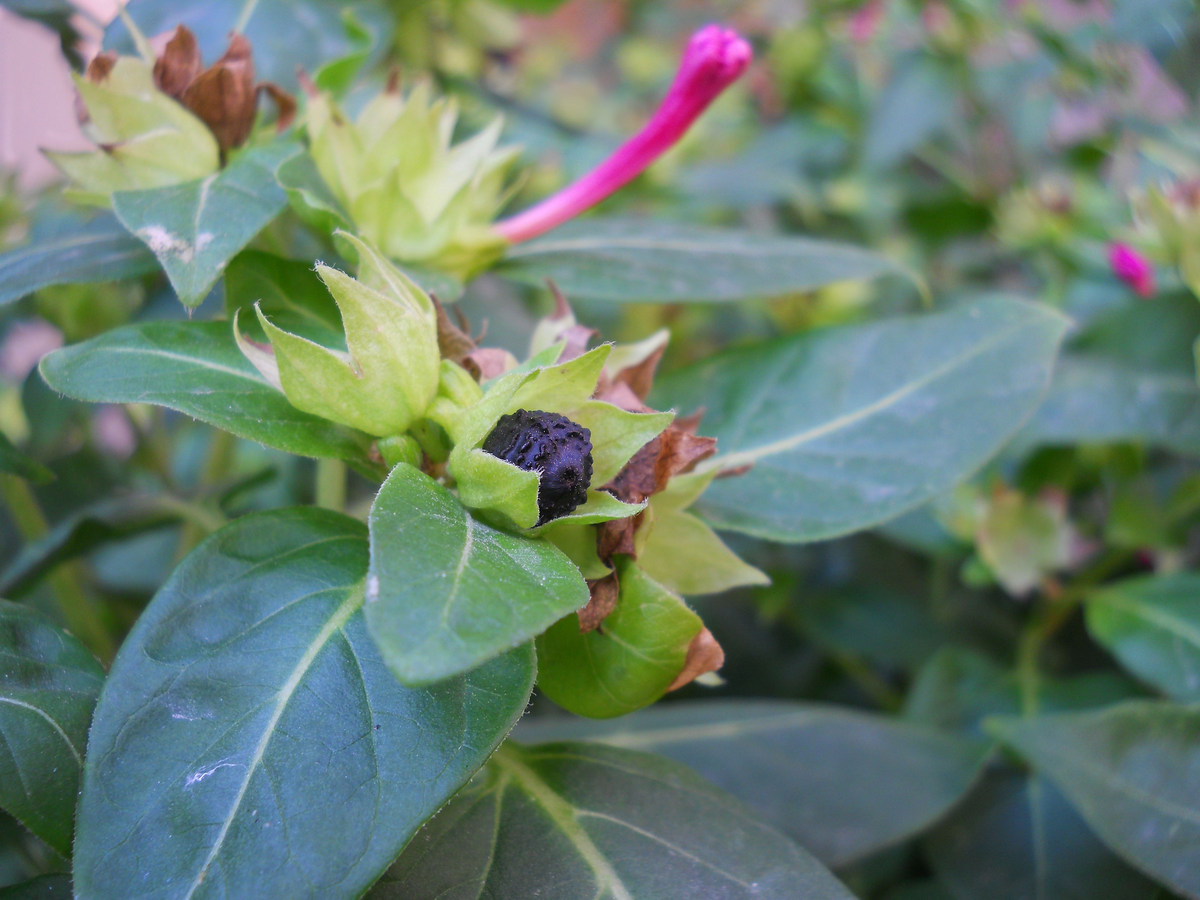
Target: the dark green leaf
(44, 887)
(843, 784)
(1098, 400)
(288, 291)
(195, 228)
(917, 102)
(1126, 770)
(197, 369)
(1017, 838)
(16, 463)
(1152, 625)
(48, 688)
(959, 688)
(599, 823)
(445, 592)
(636, 260)
(250, 740)
(82, 531)
(101, 250)
(848, 427)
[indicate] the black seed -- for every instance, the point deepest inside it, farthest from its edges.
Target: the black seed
(539, 441)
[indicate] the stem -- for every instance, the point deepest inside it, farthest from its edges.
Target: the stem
(216, 465)
(139, 39)
(81, 616)
(244, 16)
(331, 484)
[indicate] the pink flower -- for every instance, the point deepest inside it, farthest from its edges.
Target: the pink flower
(1132, 268)
(713, 60)
(865, 20)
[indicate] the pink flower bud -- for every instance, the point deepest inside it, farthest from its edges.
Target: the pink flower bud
(1132, 268)
(713, 60)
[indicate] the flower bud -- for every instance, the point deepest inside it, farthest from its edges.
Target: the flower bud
(407, 189)
(385, 379)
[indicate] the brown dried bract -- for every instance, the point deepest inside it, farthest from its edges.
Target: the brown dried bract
(604, 594)
(704, 655)
(225, 95)
(179, 64)
(454, 342)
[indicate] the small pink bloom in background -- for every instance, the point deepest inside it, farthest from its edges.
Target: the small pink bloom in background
(865, 21)
(715, 57)
(24, 345)
(113, 432)
(1132, 268)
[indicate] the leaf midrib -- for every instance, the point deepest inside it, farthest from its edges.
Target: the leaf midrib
(846, 420)
(348, 607)
(562, 815)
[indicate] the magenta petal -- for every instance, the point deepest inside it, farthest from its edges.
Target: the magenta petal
(1132, 268)
(715, 57)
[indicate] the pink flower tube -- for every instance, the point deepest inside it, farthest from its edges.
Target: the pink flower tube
(713, 60)
(1132, 268)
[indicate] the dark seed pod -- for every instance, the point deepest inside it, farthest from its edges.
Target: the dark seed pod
(551, 445)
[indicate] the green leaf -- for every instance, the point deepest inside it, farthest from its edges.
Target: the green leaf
(849, 427)
(445, 592)
(1152, 625)
(1097, 400)
(958, 689)
(686, 556)
(85, 529)
(288, 291)
(626, 260)
(101, 250)
(14, 462)
(197, 369)
(48, 688)
(250, 740)
(1017, 838)
(44, 887)
(843, 784)
(195, 228)
(584, 822)
(629, 662)
(1127, 770)
(916, 103)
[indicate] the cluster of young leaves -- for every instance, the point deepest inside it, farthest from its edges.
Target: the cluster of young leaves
(252, 730)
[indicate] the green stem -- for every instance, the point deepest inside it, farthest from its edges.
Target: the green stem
(331, 484)
(243, 18)
(81, 617)
(216, 466)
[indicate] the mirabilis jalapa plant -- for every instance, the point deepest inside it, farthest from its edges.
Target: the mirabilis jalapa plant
(503, 433)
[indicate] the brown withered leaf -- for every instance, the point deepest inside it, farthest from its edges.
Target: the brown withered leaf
(603, 600)
(100, 66)
(563, 327)
(672, 453)
(454, 342)
(97, 70)
(616, 536)
(179, 64)
(224, 97)
(704, 654)
(285, 104)
(639, 378)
